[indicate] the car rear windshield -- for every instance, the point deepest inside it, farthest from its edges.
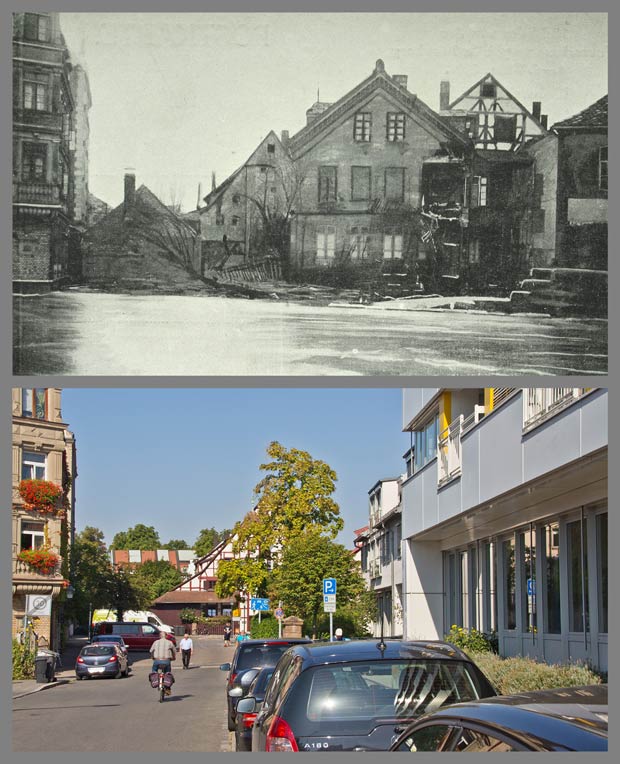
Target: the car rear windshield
(351, 697)
(257, 656)
(99, 650)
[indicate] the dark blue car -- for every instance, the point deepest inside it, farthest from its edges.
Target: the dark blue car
(567, 719)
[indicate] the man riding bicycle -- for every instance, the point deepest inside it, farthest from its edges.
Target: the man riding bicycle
(162, 652)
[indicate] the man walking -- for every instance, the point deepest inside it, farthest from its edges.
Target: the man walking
(187, 648)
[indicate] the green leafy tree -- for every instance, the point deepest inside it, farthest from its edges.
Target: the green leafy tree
(139, 537)
(156, 577)
(126, 593)
(91, 573)
(295, 494)
(298, 581)
(176, 544)
(209, 538)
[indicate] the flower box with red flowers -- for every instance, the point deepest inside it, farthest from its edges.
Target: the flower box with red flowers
(42, 560)
(41, 495)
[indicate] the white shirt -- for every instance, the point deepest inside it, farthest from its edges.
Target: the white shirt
(186, 644)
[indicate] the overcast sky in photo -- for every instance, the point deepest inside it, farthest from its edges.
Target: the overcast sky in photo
(186, 459)
(179, 96)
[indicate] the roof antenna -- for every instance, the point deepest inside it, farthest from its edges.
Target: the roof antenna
(381, 644)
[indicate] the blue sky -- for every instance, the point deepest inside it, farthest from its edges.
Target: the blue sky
(186, 459)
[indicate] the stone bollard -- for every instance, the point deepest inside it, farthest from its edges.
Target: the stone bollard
(291, 626)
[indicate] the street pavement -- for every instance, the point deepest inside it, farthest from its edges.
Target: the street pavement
(193, 718)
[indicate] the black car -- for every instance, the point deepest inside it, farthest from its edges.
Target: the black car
(101, 660)
(245, 722)
(567, 719)
(250, 654)
(359, 695)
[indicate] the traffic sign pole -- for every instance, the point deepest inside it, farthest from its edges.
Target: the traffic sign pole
(280, 621)
(331, 626)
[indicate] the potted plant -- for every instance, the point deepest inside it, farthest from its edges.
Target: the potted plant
(42, 560)
(41, 495)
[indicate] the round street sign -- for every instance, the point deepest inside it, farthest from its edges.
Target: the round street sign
(279, 613)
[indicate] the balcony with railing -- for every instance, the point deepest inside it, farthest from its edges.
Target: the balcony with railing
(541, 403)
(23, 570)
(28, 192)
(449, 445)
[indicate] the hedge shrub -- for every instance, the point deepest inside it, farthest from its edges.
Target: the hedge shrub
(471, 640)
(268, 627)
(520, 674)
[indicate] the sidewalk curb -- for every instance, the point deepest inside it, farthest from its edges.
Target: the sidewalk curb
(44, 686)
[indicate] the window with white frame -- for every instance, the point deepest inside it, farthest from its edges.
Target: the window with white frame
(32, 535)
(326, 244)
(35, 96)
(392, 246)
(602, 168)
(33, 465)
(479, 186)
(395, 127)
(361, 126)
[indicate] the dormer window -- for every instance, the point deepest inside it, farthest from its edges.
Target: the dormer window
(361, 128)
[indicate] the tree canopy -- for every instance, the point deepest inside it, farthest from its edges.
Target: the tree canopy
(176, 544)
(207, 539)
(298, 580)
(156, 577)
(294, 495)
(139, 537)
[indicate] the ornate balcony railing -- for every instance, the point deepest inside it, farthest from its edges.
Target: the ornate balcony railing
(36, 193)
(21, 568)
(539, 403)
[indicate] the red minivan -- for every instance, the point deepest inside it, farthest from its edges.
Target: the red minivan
(138, 635)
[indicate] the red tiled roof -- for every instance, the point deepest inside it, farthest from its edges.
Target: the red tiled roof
(593, 116)
(189, 597)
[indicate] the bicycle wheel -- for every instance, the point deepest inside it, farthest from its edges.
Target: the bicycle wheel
(162, 693)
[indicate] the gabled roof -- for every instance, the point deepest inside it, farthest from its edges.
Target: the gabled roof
(592, 116)
(378, 80)
(217, 192)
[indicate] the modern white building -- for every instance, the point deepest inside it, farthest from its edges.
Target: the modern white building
(504, 518)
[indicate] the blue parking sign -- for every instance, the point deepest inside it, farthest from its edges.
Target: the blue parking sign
(329, 586)
(530, 587)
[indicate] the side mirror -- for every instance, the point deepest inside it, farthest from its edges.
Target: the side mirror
(235, 692)
(225, 667)
(246, 706)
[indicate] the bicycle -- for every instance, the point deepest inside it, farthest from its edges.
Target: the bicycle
(163, 687)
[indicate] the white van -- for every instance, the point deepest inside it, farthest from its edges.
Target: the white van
(132, 615)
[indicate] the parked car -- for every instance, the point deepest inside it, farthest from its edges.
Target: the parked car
(567, 719)
(245, 722)
(358, 695)
(115, 639)
(250, 654)
(101, 660)
(137, 636)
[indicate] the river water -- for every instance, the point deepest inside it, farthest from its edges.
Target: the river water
(81, 333)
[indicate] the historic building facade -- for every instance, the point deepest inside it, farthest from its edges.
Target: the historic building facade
(50, 137)
(43, 521)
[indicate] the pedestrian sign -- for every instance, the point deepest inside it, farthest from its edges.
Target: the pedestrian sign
(279, 613)
(258, 603)
(329, 586)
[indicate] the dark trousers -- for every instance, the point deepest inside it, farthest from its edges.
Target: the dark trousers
(186, 654)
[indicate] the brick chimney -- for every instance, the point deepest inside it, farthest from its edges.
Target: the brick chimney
(444, 95)
(536, 110)
(130, 191)
(284, 138)
(400, 79)
(543, 120)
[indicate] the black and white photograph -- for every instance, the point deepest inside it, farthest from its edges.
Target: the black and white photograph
(279, 194)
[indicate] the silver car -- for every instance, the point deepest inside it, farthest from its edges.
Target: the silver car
(101, 660)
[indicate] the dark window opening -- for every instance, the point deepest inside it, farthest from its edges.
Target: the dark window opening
(271, 148)
(327, 184)
(395, 183)
(34, 161)
(488, 90)
(360, 183)
(505, 129)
